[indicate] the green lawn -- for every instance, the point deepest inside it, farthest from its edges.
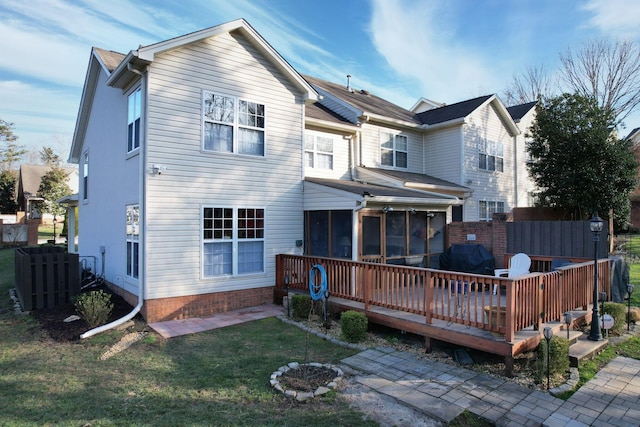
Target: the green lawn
(218, 378)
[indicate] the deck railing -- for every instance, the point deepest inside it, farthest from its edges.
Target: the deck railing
(496, 304)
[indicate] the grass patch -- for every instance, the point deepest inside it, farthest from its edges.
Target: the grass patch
(220, 377)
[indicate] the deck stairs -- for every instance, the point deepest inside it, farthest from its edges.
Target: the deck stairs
(580, 347)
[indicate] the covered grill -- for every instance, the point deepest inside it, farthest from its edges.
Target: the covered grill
(473, 259)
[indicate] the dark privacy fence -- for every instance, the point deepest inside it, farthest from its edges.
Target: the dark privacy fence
(46, 277)
(555, 238)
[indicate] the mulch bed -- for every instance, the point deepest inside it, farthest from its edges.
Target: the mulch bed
(306, 378)
(52, 319)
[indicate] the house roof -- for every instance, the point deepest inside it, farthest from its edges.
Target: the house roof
(634, 135)
(110, 59)
(419, 178)
(383, 194)
(363, 101)
(517, 112)
(452, 111)
(122, 73)
(318, 111)
(31, 176)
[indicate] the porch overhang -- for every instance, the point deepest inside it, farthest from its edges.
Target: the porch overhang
(358, 195)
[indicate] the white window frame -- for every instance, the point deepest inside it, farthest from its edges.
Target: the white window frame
(486, 209)
(232, 233)
(132, 216)
(85, 176)
(239, 119)
(491, 155)
(395, 149)
(313, 151)
(134, 120)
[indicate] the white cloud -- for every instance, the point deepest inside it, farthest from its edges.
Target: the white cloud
(418, 40)
(618, 18)
(39, 115)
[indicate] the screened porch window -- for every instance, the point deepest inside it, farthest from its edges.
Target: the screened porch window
(328, 233)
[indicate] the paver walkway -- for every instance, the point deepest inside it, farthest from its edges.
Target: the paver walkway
(443, 391)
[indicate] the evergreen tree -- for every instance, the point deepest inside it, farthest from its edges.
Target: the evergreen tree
(577, 160)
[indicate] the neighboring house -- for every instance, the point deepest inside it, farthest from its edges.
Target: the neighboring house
(525, 188)
(29, 178)
(204, 156)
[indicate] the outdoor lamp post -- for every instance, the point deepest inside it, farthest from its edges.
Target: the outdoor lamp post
(596, 227)
(629, 292)
(568, 317)
(548, 333)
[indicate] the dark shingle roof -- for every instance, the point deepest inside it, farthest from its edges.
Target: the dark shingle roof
(417, 177)
(109, 58)
(364, 101)
(372, 189)
(320, 112)
(452, 111)
(518, 111)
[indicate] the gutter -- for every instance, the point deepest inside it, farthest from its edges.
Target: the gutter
(142, 275)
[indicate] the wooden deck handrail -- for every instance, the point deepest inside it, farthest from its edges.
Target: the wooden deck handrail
(460, 298)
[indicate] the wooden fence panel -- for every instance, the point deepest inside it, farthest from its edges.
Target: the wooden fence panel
(555, 239)
(46, 277)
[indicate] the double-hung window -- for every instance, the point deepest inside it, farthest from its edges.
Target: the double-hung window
(233, 125)
(133, 240)
(487, 208)
(490, 155)
(133, 126)
(233, 241)
(85, 176)
(318, 151)
(393, 150)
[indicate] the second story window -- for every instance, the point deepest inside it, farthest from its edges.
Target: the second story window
(133, 126)
(487, 208)
(85, 176)
(318, 151)
(233, 125)
(491, 156)
(393, 150)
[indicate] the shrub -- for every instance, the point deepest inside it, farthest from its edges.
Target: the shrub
(559, 357)
(353, 326)
(300, 306)
(619, 313)
(94, 307)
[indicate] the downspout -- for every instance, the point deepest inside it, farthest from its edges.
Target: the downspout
(142, 207)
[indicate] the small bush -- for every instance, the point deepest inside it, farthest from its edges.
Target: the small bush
(559, 357)
(94, 307)
(353, 326)
(619, 314)
(300, 306)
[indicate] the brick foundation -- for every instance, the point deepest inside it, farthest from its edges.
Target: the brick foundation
(162, 309)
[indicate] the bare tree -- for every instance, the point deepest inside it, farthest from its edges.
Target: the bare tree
(534, 83)
(608, 71)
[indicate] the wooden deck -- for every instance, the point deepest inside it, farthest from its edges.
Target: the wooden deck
(453, 307)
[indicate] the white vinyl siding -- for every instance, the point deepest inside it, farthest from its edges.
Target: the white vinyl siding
(227, 64)
(370, 148)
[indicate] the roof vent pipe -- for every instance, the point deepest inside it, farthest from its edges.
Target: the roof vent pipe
(349, 82)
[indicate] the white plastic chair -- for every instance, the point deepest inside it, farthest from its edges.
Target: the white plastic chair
(519, 265)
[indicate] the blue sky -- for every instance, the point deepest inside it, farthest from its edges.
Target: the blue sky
(400, 50)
